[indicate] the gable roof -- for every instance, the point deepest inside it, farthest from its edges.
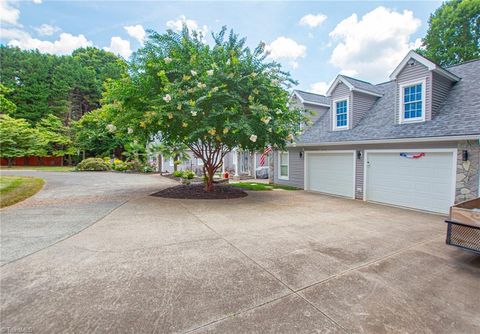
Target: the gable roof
(427, 63)
(355, 85)
(457, 116)
(312, 98)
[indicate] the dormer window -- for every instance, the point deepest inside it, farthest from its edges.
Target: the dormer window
(340, 120)
(412, 102)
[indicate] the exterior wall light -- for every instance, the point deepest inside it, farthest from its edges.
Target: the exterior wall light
(464, 155)
(359, 154)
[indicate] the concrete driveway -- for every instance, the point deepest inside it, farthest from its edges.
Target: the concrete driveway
(279, 262)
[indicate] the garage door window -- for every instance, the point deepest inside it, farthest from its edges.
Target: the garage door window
(283, 165)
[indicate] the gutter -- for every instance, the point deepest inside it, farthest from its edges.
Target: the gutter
(391, 141)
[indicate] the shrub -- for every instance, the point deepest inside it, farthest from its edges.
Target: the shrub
(188, 174)
(147, 168)
(93, 164)
(178, 173)
(120, 166)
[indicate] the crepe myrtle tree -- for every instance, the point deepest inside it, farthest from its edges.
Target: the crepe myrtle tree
(212, 98)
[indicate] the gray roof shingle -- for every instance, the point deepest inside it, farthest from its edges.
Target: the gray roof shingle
(458, 115)
(312, 97)
(363, 85)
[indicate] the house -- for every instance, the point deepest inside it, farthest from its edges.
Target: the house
(411, 142)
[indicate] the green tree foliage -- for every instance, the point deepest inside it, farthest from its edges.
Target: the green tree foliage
(210, 98)
(95, 135)
(17, 138)
(65, 86)
(175, 151)
(53, 138)
(453, 34)
(6, 106)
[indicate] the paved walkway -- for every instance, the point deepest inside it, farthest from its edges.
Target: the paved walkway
(273, 262)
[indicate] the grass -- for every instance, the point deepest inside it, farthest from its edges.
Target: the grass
(41, 168)
(261, 186)
(14, 189)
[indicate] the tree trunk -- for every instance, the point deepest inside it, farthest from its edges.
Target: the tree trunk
(10, 162)
(175, 165)
(209, 179)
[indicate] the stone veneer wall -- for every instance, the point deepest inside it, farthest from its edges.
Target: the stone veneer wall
(468, 171)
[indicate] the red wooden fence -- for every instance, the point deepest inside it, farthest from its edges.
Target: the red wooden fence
(34, 161)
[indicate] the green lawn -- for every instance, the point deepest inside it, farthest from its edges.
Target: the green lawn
(261, 186)
(41, 168)
(14, 189)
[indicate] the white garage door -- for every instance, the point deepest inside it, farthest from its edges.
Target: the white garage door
(331, 173)
(419, 180)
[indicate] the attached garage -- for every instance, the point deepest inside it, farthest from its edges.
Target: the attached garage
(423, 179)
(330, 172)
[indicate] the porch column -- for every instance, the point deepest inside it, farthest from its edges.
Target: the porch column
(255, 165)
(236, 161)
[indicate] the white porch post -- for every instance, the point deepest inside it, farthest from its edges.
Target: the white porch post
(236, 162)
(223, 166)
(255, 165)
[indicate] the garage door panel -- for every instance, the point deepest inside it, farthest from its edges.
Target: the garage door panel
(331, 173)
(424, 183)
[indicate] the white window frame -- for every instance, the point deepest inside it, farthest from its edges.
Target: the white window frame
(171, 162)
(401, 103)
(280, 176)
(334, 113)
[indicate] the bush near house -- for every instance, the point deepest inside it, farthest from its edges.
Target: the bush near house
(93, 164)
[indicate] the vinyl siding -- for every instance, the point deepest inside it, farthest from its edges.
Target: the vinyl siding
(295, 169)
(318, 111)
(361, 103)
(341, 91)
(411, 74)
(440, 89)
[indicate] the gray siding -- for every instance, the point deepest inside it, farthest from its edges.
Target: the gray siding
(317, 110)
(440, 89)
(361, 104)
(413, 73)
(341, 91)
(295, 169)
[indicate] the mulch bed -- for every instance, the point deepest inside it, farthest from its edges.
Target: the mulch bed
(196, 191)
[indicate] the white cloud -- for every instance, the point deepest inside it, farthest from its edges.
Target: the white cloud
(47, 29)
(8, 13)
(120, 47)
(192, 25)
(372, 46)
(64, 45)
(320, 87)
(312, 20)
(284, 48)
(136, 32)
(37, 1)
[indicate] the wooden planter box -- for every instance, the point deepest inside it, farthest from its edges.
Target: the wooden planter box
(464, 225)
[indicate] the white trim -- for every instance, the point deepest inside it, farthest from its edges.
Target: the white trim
(337, 80)
(341, 78)
(334, 115)
(391, 141)
(305, 164)
(454, 152)
(303, 101)
(424, 61)
(280, 177)
(401, 103)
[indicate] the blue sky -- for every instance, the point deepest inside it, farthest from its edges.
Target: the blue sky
(314, 40)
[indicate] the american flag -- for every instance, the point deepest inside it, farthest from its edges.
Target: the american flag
(264, 155)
